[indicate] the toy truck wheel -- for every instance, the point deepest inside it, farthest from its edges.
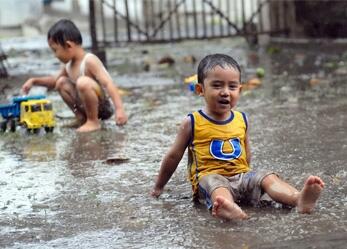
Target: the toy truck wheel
(3, 126)
(26, 127)
(12, 125)
(49, 129)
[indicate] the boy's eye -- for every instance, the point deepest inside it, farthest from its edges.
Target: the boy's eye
(216, 84)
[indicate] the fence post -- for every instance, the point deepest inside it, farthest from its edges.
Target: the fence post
(3, 70)
(99, 52)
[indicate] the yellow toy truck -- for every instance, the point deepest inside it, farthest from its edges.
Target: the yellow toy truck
(32, 112)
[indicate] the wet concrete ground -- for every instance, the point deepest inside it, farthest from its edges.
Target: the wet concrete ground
(57, 191)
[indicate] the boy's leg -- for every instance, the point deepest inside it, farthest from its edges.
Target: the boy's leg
(305, 200)
(224, 206)
(88, 90)
(68, 92)
(216, 191)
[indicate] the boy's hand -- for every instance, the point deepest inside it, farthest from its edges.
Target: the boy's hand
(27, 86)
(121, 118)
(156, 192)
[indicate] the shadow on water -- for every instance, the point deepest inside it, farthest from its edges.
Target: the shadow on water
(56, 191)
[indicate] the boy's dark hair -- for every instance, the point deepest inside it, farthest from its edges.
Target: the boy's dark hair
(64, 30)
(209, 62)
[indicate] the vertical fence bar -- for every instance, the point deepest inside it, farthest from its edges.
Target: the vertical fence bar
(161, 11)
(115, 22)
(221, 31)
(153, 16)
(146, 14)
(243, 16)
(170, 20)
(136, 19)
(277, 16)
(236, 13)
(285, 21)
(212, 22)
(195, 20)
(3, 70)
(178, 26)
(203, 16)
(228, 15)
(260, 17)
(103, 21)
(127, 20)
(186, 22)
(92, 25)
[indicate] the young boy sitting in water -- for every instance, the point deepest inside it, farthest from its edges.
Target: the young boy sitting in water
(219, 151)
(82, 81)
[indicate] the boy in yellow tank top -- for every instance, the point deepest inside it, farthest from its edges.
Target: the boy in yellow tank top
(219, 151)
(83, 82)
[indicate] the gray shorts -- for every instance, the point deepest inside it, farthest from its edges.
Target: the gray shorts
(105, 109)
(245, 187)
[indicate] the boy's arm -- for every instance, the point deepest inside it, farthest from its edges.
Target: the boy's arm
(47, 81)
(173, 157)
(97, 69)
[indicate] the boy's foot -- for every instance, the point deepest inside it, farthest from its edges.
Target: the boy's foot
(309, 194)
(225, 209)
(89, 126)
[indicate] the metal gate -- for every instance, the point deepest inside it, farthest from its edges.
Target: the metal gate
(145, 21)
(3, 70)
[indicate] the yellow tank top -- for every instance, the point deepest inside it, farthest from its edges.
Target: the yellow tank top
(217, 147)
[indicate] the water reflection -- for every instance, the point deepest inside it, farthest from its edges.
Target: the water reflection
(83, 152)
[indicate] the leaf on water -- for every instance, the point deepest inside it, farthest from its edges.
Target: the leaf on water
(116, 160)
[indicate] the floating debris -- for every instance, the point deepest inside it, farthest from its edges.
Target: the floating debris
(116, 160)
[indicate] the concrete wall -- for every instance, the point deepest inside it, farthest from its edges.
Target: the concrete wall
(14, 12)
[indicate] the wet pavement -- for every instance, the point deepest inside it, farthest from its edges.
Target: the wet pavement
(58, 191)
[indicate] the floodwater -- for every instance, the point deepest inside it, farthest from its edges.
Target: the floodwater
(57, 191)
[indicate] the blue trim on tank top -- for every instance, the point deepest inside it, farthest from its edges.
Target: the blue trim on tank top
(217, 121)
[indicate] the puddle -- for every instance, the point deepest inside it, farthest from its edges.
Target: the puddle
(57, 191)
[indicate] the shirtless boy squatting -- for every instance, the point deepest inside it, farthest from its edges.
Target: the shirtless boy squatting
(82, 81)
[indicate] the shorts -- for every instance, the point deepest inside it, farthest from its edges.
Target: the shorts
(244, 187)
(105, 110)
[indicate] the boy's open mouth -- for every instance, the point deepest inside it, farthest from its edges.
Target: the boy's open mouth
(224, 102)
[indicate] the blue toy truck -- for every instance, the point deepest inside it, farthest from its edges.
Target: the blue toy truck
(32, 112)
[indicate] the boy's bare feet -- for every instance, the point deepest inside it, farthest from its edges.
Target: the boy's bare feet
(89, 126)
(309, 194)
(223, 208)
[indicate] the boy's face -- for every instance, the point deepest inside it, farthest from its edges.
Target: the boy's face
(221, 90)
(62, 53)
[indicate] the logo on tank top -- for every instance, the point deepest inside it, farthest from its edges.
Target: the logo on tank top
(217, 148)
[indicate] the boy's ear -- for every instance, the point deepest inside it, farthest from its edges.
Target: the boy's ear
(199, 89)
(68, 44)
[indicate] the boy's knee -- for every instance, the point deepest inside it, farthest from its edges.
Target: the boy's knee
(84, 83)
(213, 181)
(61, 82)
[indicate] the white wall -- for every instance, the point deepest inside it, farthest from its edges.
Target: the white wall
(14, 12)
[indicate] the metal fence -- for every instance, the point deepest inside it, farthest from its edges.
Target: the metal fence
(145, 21)
(3, 70)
